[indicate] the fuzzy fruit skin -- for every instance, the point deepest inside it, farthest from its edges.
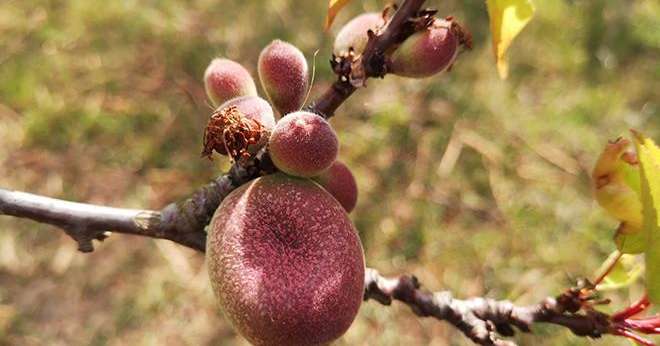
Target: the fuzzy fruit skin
(284, 76)
(253, 107)
(225, 79)
(303, 144)
(285, 262)
(427, 52)
(340, 182)
(354, 33)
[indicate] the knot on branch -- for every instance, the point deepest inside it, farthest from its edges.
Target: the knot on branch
(84, 236)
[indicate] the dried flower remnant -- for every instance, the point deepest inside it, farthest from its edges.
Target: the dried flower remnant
(230, 131)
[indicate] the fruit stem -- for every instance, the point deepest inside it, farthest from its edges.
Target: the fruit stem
(613, 261)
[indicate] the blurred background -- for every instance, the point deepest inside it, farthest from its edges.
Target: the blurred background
(475, 185)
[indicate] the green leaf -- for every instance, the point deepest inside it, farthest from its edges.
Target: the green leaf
(507, 19)
(626, 271)
(649, 159)
(631, 242)
(616, 184)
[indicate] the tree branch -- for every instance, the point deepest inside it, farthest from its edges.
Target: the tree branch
(485, 320)
(182, 222)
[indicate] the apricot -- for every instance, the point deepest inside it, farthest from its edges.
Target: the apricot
(303, 144)
(354, 33)
(284, 76)
(427, 52)
(340, 182)
(285, 262)
(225, 79)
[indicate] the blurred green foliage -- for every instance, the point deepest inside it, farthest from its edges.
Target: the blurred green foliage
(475, 185)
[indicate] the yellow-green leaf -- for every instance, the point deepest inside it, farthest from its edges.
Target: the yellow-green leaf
(334, 6)
(615, 179)
(630, 240)
(649, 159)
(507, 19)
(627, 270)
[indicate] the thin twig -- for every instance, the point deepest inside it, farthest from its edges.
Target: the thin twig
(483, 320)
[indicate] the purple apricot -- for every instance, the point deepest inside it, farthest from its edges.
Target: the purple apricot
(225, 79)
(285, 262)
(427, 52)
(303, 144)
(284, 76)
(354, 33)
(340, 182)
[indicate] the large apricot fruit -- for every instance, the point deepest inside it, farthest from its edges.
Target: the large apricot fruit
(285, 262)
(303, 144)
(225, 79)
(284, 76)
(340, 182)
(354, 33)
(427, 52)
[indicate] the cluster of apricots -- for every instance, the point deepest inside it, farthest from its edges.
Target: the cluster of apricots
(285, 260)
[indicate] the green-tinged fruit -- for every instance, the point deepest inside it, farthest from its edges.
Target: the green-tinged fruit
(285, 262)
(340, 182)
(284, 76)
(354, 33)
(303, 144)
(225, 79)
(427, 52)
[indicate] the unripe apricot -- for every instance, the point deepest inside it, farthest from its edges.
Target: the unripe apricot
(225, 79)
(427, 52)
(252, 107)
(303, 144)
(340, 182)
(285, 262)
(284, 76)
(354, 33)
